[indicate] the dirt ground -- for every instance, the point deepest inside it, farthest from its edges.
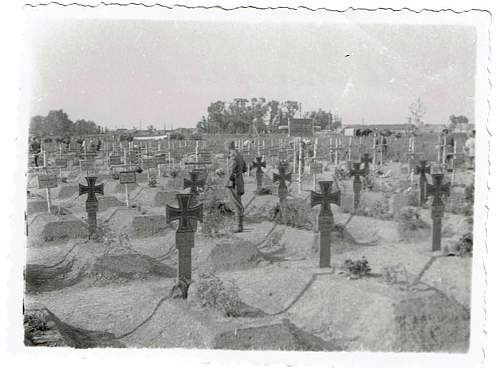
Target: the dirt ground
(116, 290)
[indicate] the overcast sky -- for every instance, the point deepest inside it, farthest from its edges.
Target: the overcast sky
(119, 73)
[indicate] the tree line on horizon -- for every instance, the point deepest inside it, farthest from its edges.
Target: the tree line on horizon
(258, 115)
(58, 124)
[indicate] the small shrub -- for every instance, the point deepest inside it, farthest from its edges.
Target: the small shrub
(173, 174)
(152, 182)
(214, 293)
(464, 245)
(356, 269)
(395, 274)
(409, 222)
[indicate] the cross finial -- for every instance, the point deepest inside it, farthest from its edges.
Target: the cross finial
(355, 170)
(325, 198)
(282, 176)
(194, 183)
(423, 168)
(91, 189)
(438, 189)
(184, 213)
(366, 163)
(258, 164)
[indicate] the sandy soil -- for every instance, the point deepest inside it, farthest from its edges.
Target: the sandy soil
(117, 289)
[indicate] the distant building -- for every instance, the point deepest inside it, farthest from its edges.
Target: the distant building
(366, 129)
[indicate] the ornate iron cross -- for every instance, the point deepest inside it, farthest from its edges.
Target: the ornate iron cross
(282, 177)
(185, 213)
(438, 190)
(195, 182)
(356, 171)
(326, 198)
(423, 169)
(91, 189)
(258, 164)
(325, 219)
(366, 163)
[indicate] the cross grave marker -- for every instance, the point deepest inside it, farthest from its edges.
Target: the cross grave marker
(325, 219)
(356, 183)
(421, 170)
(282, 177)
(184, 236)
(437, 190)
(258, 164)
(91, 204)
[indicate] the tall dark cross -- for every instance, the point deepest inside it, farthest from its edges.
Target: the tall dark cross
(325, 219)
(195, 182)
(421, 170)
(258, 164)
(184, 237)
(282, 177)
(366, 164)
(437, 190)
(356, 183)
(91, 204)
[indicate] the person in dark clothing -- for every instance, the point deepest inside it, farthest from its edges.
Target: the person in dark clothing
(235, 184)
(35, 149)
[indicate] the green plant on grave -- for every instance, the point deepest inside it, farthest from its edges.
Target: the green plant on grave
(152, 182)
(356, 269)
(212, 292)
(173, 174)
(409, 222)
(464, 245)
(396, 274)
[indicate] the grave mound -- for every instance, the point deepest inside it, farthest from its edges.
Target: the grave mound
(66, 191)
(107, 202)
(36, 206)
(297, 213)
(129, 267)
(120, 188)
(94, 264)
(232, 254)
(281, 336)
(149, 225)
(429, 321)
(43, 328)
(40, 278)
(162, 198)
(51, 228)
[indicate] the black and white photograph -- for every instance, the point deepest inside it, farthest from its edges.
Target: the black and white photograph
(254, 180)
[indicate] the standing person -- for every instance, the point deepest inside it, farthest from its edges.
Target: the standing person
(470, 149)
(237, 167)
(35, 149)
(446, 147)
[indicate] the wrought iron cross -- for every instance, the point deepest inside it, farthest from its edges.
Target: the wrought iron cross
(282, 177)
(366, 163)
(91, 189)
(438, 190)
(356, 171)
(184, 213)
(194, 182)
(258, 164)
(326, 198)
(423, 169)
(325, 219)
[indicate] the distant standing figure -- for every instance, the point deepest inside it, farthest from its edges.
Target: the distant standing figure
(470, 149)
(35, 149)
(235, 183)
(447, 143)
